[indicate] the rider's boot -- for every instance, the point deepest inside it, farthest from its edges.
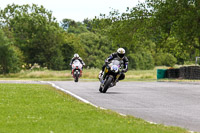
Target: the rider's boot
(100, 74)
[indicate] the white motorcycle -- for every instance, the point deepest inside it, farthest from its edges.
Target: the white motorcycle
(76, 70)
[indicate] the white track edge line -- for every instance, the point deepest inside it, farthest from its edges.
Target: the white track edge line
(85, 101)
(74, 95)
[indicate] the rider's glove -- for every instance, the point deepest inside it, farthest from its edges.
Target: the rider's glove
(106, 62)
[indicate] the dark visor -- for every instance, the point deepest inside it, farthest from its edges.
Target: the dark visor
(121, 55)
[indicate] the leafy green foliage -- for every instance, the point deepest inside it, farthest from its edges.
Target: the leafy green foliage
(171, 26)
(166, 59)
(11, 58)
(178, 20)
(71, 46)
(36, 33)
(141, 60)
(97, 49)
(152, 33)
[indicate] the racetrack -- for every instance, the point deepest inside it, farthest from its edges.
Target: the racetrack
(168, 103)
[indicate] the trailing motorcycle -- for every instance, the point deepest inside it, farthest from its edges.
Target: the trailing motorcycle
(110, 76)
(76, 70)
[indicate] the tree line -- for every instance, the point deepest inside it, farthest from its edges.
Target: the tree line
(153, 33)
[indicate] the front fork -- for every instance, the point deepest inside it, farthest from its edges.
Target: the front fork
(105, 72)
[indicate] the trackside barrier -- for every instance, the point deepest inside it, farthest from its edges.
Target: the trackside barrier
(161, 73)
(189, 72)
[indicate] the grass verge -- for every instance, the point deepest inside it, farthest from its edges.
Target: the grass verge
(88, 74)
(40, 108)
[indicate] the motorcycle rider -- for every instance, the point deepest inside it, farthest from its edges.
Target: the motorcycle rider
(119, 55)
(77, 57)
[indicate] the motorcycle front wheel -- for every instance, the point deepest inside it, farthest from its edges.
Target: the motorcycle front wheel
(76, 77)
(100, 89)
(107, 84)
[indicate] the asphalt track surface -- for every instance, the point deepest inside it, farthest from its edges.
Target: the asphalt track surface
(168, 103)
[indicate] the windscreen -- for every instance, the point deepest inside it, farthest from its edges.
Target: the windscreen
(115, 62)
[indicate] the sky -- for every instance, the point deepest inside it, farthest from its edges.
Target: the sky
(77, 10)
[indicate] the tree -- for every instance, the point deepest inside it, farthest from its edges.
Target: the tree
(11, 58)
(71, 46)
(73, 27)
(130, 31)
(97, 48)
(36, 33)
(179, 20)
(88, 24)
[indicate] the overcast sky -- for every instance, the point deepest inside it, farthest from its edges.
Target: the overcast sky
(77, 10)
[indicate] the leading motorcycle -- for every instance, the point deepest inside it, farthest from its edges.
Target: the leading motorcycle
(76, 70)
(110, 75)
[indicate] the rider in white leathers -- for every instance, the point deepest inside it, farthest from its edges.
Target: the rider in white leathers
(76, 57)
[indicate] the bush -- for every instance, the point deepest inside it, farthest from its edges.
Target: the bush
(57, 61)
(142, 61)
(16, 60)
(10, 56)
(165, 59)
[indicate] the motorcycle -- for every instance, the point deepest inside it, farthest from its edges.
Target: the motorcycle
(76, 70)
(110, 75)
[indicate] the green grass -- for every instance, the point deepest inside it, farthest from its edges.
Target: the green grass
(88, 74)
(42, 109)
(38, 75)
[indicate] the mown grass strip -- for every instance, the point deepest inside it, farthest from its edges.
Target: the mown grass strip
(32, 108)
(88, 74)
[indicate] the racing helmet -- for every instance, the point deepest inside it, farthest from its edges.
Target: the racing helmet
(120, 53)
(76, 55)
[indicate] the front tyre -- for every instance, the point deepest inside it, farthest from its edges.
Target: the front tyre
(100, 89)
(76, 77)
(107, 84)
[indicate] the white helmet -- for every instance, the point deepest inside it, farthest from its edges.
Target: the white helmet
(76, 55)
(121, 52)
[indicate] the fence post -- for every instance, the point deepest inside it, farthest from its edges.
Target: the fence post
(197, 60)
